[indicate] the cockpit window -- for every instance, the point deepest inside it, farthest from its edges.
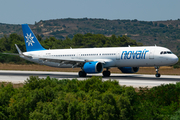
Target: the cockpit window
(169, 52)
(166, 52)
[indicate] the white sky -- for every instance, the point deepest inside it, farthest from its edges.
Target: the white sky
(29, 11)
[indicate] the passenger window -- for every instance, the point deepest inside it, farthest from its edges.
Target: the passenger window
(165, 52)
(161, 52)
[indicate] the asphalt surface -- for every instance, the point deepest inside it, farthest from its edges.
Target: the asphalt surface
(135, 80)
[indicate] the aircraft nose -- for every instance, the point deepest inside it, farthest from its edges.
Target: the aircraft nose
(175, 59)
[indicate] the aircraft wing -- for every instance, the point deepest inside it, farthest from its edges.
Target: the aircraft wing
(74, 62)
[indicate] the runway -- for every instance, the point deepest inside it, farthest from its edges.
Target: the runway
(135, 80)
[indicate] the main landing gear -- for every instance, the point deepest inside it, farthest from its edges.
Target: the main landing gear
(82, 74)
(106, 73)
(157, 69)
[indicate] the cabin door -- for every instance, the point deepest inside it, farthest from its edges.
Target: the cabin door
(151, 54)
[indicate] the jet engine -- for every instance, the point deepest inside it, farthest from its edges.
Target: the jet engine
(129, 69)
(93, 67)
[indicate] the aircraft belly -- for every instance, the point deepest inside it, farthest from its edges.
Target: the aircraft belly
(109, 64)
(131, 63)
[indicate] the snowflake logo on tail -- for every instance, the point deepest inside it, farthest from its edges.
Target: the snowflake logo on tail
(29, 40)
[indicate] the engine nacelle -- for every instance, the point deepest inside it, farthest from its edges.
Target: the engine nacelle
(129, 69)
(93, 67)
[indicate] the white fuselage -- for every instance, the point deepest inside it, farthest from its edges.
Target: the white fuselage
(111, 57)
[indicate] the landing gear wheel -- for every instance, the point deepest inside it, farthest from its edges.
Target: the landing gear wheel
(157, 74)
(82, 74)
(106, 73)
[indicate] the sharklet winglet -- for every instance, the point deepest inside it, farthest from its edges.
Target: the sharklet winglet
(19, 51)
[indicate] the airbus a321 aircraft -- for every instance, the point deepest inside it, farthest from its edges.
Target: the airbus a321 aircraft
(94, 60)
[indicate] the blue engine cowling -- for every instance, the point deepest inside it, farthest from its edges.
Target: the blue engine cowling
(129, 69)
(93, 67)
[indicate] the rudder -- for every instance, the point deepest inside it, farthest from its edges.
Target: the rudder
(32, 44)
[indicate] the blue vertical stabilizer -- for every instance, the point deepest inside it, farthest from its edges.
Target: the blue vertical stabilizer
(32, 44)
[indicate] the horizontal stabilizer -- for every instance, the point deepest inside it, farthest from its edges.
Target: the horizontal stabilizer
(11, 54)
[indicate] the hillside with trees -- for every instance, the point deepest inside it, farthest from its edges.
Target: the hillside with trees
(161, 33)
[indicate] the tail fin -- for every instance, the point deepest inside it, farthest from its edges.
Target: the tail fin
(32, 44)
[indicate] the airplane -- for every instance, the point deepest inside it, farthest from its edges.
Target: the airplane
(94, 60)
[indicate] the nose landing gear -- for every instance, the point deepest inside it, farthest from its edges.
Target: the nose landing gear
(157, 70)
